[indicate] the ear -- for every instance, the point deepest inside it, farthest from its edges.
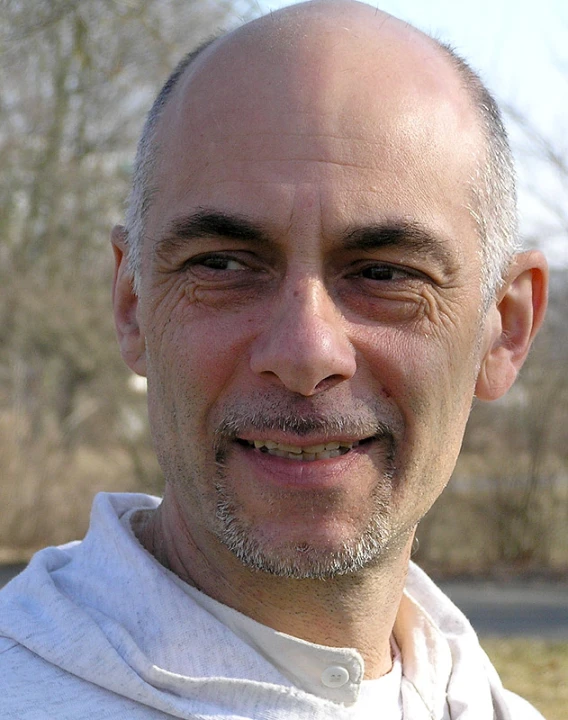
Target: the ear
(125, 305)
(511, 324)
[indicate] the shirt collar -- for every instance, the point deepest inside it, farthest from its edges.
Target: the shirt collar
(331, 673)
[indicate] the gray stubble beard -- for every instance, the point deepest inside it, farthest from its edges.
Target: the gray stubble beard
(304, 561)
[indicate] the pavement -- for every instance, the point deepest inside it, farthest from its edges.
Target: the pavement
(7, 572)
(536, 609)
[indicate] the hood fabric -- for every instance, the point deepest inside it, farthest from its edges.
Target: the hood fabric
(98, 629)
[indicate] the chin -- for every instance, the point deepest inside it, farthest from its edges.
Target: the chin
(301, 558)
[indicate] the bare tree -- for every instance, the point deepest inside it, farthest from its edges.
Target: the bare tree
(75, 81)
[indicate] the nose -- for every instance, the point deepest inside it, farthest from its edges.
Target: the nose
(304, 345)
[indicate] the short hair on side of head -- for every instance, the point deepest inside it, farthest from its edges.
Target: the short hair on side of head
(141, 187)
(493, 187)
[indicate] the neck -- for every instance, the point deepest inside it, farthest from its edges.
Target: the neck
(357, 610)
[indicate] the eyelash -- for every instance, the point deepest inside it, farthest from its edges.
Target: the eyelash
(218, 261)
(395, 272)
(212, 261)
(387, 270)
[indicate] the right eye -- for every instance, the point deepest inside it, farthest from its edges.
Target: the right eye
(218, 262)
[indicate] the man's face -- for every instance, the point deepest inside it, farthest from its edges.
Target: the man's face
(311, 303)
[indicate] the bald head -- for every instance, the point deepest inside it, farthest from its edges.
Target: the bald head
(345, 33)
(322, 68)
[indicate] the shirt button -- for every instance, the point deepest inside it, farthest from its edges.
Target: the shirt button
(334, 676)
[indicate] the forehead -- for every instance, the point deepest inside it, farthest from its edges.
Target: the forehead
(381, 118)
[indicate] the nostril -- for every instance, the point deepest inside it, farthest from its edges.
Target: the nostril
(328, 382)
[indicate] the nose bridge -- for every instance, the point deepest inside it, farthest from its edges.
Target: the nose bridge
(305, 345)
(310, 304)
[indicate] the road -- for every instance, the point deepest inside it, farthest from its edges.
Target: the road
(7, 572)
(536, 609)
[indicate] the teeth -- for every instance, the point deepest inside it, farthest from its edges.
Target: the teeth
(323, 451)
(334, 446)
(328, 454)
(315, 448)
(294, 449)
(270, 444)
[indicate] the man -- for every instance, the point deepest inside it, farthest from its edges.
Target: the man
(317, 274)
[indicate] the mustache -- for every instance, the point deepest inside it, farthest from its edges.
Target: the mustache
(236, 424)
(250, 419)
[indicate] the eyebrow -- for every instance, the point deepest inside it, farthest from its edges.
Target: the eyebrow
(205, 223)
(407, 234)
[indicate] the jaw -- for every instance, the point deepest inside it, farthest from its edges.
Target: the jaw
(305, 518)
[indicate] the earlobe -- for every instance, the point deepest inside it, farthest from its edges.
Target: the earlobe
(512, 324)
(125, 305)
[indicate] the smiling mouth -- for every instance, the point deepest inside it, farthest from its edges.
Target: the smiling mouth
(307, 453)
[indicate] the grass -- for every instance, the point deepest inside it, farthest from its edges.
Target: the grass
(535, 669)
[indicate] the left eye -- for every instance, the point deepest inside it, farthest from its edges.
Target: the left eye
(384, 272)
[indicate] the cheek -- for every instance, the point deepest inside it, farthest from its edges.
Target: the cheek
(442, 393)
(431, 386)
(430, 379)
(195, 356)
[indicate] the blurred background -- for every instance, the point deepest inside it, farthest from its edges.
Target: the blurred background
(76, 79)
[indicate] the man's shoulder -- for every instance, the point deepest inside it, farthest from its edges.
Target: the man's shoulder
(437, 636)
(519, 708)
(6, 644)
(29, 686)
(33, 689)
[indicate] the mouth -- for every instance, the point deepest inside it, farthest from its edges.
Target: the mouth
(304, 453)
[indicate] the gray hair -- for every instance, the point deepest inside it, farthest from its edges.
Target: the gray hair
(141, 191)
(493, 185)
(493, 203)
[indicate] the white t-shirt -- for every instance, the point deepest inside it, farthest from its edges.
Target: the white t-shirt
(382, 698)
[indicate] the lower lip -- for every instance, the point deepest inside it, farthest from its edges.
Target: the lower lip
(308, 474)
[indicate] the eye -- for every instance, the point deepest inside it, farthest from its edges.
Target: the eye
(386, 272)
(219, 262)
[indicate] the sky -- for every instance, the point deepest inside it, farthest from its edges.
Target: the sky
(520, 48)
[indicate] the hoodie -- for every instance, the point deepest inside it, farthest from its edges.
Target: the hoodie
(98, 629)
